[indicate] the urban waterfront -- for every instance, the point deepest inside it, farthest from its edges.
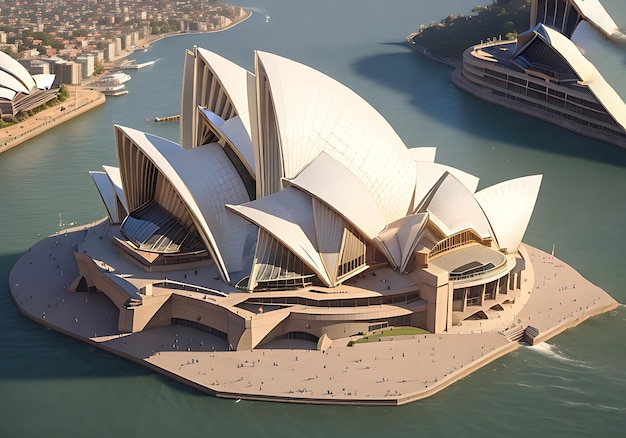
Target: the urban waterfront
(572, 386)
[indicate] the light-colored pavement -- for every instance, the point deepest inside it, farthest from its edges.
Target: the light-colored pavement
(79, 102)
(394, 371)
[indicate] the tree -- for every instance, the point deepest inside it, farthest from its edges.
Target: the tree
(64, 93)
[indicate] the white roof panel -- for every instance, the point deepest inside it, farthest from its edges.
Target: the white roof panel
(509, 206)
(103, 184)
(591, 77)
(116, 180)
(288, 216)
(44, 81)
(401, 237)
(236, 132)
(160, 151)
(213, 182)
(7, 94)
(594, 12)
(232, 77)
(9, 81)
(428, 174)
(315, 113)
(215, 120)
(14, 68)
(453, 208)
(423, 153)
(332, 183)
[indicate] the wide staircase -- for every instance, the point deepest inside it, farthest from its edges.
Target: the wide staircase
(514, 334)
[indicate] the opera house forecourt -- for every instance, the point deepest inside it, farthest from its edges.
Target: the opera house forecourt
(292, 248)
(545, 73)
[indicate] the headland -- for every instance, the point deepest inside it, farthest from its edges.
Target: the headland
(81, 99)
(79, 102)
(393, 371)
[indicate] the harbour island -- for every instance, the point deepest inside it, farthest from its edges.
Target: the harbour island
(292, 248)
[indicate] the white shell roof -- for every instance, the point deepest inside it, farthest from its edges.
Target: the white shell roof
(163, 153)
(17, 70)
(401, 237)
(233, 78)
(288, 216)
(235, 131)
(315, 113)
(509, 206)
(344, 193)
(5, 93)
(424, 153)
(594, 12)
(213, 182)
(103, 184)
(116, 180)
(453, 208)
(591, 77)
(428, 174)
(215, 120)
(44, 81)
(9, 81)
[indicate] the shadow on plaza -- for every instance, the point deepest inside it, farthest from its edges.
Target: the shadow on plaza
(428, 84)
(32, 351)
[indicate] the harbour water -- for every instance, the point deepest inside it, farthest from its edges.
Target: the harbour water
(574, 385)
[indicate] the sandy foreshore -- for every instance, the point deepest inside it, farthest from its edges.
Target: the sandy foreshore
(395, 371)
(79, 102)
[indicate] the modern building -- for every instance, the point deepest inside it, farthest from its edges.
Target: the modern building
(38, 67)
(67, 72)
(292, 209)
(19, 90)
(87, 65)
(544, 74)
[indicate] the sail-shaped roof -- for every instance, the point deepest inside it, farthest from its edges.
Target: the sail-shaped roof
(314, 113)
(509, 206)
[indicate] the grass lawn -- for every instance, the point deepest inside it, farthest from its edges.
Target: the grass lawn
(391, 331)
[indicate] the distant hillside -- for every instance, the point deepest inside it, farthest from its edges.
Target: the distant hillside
(451, 36)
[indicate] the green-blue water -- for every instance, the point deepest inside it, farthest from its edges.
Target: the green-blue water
(573, 386)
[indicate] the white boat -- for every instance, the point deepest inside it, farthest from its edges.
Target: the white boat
(110, 89)
(111, 84)
(114, 78)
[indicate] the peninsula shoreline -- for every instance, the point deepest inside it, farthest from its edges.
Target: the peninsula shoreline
(375, 374)
(81, 100)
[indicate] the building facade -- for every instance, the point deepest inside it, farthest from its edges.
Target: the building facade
(544, 74)
(310, 214)
(19, 90)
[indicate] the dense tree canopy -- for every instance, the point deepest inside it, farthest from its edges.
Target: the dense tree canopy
(453, 34)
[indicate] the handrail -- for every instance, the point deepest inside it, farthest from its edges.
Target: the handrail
(190, 287)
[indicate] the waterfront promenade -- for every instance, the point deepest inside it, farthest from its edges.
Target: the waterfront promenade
(395, 371)
(79, 102)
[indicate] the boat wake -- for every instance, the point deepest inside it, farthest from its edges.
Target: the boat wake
(552, 352)
(595, 406)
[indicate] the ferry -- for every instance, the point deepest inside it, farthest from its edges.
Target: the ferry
(114, 78)
(111, 84)
(112, 90)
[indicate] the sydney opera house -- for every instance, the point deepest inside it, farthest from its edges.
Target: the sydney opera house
(292, 210)
(19, 91)
(544, 73)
